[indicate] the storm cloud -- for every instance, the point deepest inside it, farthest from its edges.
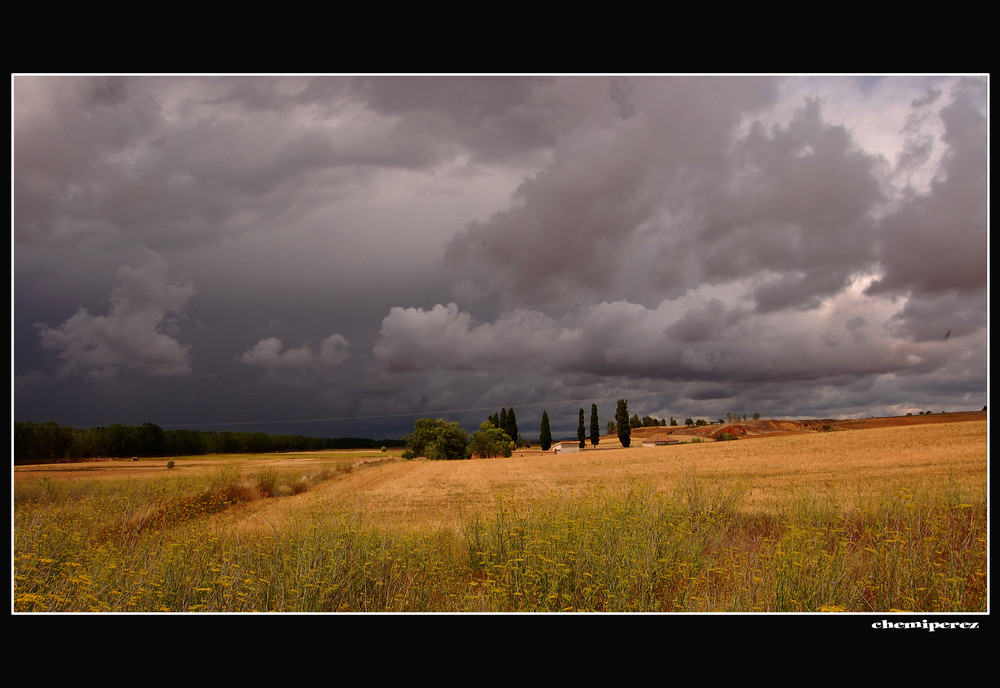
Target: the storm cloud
(337, 255)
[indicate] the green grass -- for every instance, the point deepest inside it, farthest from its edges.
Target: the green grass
(149, 546)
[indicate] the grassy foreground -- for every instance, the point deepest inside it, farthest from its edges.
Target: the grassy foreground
(161, 545)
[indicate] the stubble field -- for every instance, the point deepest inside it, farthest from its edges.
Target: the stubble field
(889, 518)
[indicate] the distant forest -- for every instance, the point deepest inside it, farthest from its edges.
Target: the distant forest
(54, 442)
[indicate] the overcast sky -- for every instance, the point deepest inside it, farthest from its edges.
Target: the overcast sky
(340, 255)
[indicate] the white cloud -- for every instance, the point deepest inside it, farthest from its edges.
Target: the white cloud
(135, 336)
(334, 350)
(268, 354)
(697, 337)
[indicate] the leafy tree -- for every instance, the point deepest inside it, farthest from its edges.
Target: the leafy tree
(490, 441)
(545, 432)
(581, 431)
(623, 423)
(450, 442)
(595, 426)
(424, 433)
(185, 442)
(41, 441)
(673, 421)
(150, 440)
(506, 420)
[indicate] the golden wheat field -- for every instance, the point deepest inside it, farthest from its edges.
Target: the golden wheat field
(842, 466)
(885, 518)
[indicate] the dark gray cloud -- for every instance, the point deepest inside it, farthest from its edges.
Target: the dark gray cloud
(933, 242)
(614, 185)
(335, 255)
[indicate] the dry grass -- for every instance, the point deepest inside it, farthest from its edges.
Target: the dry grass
(190, 466)
(842, 466)
(889, 519)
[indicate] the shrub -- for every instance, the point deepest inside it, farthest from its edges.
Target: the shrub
(266, 481)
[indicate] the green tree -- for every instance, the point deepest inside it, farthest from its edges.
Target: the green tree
(545, 432)
(595, 426)
(511, 427)
(450, 442)
(623, 423)
(490, 441)
(150, 440)
(33, 441)
(424, 433)
(581, 431)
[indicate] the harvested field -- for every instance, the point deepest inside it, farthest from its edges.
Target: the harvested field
(887, 519)
(844, 467)
(786, 458)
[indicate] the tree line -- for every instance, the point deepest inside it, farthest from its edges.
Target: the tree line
(53, 442)
(498, 435)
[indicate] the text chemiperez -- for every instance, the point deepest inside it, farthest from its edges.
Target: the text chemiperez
(929, 625)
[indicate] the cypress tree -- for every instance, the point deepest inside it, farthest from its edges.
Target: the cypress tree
(581, 432)
(545, 432)
(623, 423)
(511, 427)
(595, 426)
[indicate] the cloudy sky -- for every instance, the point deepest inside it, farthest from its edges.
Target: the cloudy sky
(339, 255)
